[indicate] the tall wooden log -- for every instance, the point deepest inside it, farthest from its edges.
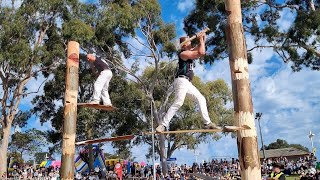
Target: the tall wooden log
(247, 139)
(70, 112)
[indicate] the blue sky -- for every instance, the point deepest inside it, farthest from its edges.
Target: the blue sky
(290, 102)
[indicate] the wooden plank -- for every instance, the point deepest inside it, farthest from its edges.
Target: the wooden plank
(236, 128)
(224, 129)
(118, 138)
(128, 137)
(97, 106)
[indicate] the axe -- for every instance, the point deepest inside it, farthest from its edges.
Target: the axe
(193, 37)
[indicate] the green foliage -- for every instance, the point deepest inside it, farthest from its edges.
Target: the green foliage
(41, 156)
(279, 143)
(121, 154)
(30, 45)
(16, 157)
(297, 44)
(21, 119)
(98, 27)
(30, 141)
(76, 30)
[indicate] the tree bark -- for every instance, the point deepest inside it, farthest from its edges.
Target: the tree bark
(70, 111)
(162, 139)
(246, 139)
(3, 150)
(163, 155)
(90, 152)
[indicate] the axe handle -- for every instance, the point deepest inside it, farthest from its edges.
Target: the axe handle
(193, 37)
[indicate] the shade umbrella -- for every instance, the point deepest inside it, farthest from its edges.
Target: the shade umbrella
(56, 164)
(142, 163)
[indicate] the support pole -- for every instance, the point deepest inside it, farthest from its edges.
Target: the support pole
(258, 117)
(153, 154)
(246, 139)
(70, 112)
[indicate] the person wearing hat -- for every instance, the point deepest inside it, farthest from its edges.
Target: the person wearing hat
(276, 173)
(182, 83)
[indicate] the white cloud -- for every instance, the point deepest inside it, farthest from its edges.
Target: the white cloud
(286, 20)
(290, 103)
(225, 148)
(219, 70)
(185, 5)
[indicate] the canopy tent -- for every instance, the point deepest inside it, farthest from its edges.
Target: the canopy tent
(43, 163)
(56, 164)
(49, 163)
(142, 163)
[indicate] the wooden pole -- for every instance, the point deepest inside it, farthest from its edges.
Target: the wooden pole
(246, 139)
(70, 111)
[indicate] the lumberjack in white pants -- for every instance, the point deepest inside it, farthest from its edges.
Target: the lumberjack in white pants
(101, 87)
(102, 83)
(183, 86)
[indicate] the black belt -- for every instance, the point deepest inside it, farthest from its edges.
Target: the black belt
(183, 76)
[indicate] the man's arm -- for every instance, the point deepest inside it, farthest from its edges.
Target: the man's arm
(93, 69)
(91, 58)
(197, 52)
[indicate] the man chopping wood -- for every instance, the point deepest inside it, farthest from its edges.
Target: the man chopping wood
(182, 83)
(101, 85)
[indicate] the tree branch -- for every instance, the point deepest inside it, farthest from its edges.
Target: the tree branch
(164, 104)
(24, 94)
(261, 46)
(308, 48)
(270, 3)
(135, 48)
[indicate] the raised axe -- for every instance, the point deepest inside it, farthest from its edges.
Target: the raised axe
(193, 37)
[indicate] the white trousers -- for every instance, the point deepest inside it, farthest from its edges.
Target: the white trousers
(101, 87)
(183, 87)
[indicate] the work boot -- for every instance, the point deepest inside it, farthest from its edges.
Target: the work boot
(211, 126)
(160, 128)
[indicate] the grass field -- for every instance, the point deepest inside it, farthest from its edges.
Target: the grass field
(294, 177)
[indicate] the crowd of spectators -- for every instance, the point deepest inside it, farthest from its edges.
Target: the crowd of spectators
(304, 167)
(222, 169)
(28, 172)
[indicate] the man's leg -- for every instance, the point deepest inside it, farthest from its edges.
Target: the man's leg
(181, 88)
(98, 86)
(201, 100)
(105, 94)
